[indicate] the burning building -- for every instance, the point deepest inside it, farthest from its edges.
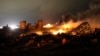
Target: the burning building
(61, 28)
(70, 26)
(83, 28)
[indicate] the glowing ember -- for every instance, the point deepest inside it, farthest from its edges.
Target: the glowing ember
(73, 33)
(39, 32)
(55, 32)
(48, 26)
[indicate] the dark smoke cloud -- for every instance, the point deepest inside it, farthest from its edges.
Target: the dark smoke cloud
(92, 15)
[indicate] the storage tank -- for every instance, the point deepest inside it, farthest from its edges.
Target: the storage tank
(23, 25)
(39, 24)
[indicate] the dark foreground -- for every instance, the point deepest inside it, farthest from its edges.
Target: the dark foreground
(50, 45)
(55, 51)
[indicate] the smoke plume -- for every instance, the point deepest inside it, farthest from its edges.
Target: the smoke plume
(92, 15)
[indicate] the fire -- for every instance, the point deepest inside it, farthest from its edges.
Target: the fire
(59, 29)
(70, 25)
(55, 32)
(39, 32)
(48, 26)
(66, 26)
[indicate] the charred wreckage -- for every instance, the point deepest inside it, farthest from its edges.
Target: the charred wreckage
(36, 37)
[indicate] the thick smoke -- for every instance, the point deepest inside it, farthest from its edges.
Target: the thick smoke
(92, 15)
(32, 10)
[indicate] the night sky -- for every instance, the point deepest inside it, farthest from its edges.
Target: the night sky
(14, 11)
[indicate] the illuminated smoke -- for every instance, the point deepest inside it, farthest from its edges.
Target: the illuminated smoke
(32, 10)
(92, 15)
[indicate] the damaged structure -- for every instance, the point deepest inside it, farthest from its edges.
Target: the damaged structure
(82, 29)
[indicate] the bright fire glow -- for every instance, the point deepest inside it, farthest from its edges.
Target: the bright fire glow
(64, 28)
(39, 32)
(48, 26)
(55, 32)
(59, 29)
(13, 27)
(70, 25)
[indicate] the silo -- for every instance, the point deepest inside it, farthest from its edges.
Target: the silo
(29, 26)
(23, 25)
(40, 24)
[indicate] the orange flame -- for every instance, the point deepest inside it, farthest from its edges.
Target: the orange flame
(39, 32)
(48, 26)
(55, 32)
(63, 28)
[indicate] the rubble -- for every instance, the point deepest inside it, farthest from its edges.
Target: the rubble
(82, 29)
